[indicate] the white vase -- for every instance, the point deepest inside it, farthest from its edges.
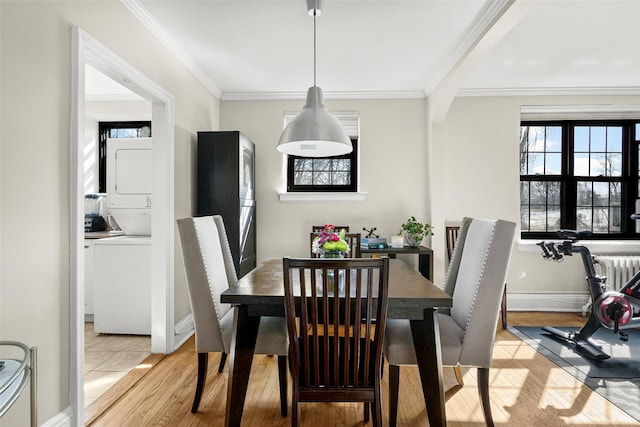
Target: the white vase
(414, 240)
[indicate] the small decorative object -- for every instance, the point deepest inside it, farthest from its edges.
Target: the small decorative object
(330, 243)
(370, 232)
(415, 231)
(397, 242)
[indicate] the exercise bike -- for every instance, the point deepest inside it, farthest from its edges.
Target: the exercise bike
(616, 310)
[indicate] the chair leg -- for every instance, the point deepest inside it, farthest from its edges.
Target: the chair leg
(394, 385)
(503, 307)
(483, 390)
(458, 371)
(223, 358)
(377, 409)
(367, 411)
(295, 412)
(282, 377)
(203, 359)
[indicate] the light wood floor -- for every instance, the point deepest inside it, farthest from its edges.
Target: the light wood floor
(526, 390)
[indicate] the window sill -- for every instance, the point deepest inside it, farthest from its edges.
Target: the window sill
(595, 246)
(322, 197)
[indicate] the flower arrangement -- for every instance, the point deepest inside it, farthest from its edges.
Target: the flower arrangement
(330, 241)
(415, 231)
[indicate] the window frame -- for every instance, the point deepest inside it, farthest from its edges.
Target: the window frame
(569, 181)
(352, 187)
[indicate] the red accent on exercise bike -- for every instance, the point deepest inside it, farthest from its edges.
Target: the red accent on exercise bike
(603, 312)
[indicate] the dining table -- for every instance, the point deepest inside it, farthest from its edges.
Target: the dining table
(411, 296)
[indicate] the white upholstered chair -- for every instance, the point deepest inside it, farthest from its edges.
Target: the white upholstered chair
(210, 270)
(475, 279)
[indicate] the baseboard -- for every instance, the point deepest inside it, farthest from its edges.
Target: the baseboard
(182, 331)
(63, 419)
(573, 302)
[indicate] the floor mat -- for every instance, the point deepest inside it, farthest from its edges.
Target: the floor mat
(617, 379)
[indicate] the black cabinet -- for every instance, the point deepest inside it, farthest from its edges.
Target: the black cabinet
(226, 187)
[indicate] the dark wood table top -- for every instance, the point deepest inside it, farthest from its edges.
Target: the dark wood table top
(410, 293)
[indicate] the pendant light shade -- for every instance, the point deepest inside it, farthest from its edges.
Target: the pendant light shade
(314, 132)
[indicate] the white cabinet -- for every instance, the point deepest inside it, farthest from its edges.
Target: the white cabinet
(122, 294)
(88, 280)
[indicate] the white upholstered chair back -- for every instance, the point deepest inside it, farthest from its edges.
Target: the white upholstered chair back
(484, 259)
(475, 279)
(210, 271)
(208, 276)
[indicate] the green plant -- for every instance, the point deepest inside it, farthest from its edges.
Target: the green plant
(415, 229)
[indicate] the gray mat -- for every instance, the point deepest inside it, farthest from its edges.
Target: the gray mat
(617, 379)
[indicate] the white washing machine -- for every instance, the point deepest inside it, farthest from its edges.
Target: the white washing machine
(122, 292)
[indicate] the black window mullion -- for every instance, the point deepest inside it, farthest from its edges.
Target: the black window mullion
(569, 186)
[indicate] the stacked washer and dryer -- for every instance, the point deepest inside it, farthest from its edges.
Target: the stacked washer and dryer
(122, 265)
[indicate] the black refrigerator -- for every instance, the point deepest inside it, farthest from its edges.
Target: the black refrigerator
(226, 187)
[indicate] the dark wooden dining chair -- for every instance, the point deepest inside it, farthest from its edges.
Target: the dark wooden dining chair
(335, 353)
(452, 237)
(319, 228)
(353, 241)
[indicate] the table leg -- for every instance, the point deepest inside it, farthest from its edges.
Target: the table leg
(426, 340)
(425, 265)
(243, 345)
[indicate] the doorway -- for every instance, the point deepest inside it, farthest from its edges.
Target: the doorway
(87, 50)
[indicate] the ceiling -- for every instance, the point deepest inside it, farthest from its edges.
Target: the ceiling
(402, 48)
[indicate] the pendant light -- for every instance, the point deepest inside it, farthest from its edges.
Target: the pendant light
(314, 132)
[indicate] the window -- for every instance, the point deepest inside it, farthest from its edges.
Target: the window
(579, 175)
(321, 174)
(336, 174)
(116, 130)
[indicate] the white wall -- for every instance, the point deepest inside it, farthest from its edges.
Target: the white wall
(482, 179)
(392, 154)
(34, 176)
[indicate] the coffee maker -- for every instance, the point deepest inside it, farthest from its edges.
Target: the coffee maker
(94, 205)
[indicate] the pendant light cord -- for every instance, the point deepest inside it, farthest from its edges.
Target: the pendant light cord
(314, 49)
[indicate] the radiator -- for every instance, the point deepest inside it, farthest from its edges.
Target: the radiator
(618, 269)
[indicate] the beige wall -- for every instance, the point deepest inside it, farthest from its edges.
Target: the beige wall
(393, 176)
(478, 173)
(34, 180)
(482, 179)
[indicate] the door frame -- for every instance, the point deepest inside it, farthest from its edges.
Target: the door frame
(87, 50)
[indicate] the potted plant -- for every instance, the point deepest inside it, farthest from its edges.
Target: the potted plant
(415, 231)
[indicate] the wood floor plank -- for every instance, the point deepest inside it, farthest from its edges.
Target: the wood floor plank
(526, 390)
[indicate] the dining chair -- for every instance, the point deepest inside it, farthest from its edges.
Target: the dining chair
(451, 237)
(319, 228)
(352, 239)
(331, 306)
(475, 279)
(210, 270)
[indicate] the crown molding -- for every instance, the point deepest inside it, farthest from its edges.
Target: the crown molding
(582, 111)
(419, 94)
(141, 13)
(552, 91)
(272, 96)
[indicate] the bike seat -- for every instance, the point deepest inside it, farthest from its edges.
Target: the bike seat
(573, 235)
